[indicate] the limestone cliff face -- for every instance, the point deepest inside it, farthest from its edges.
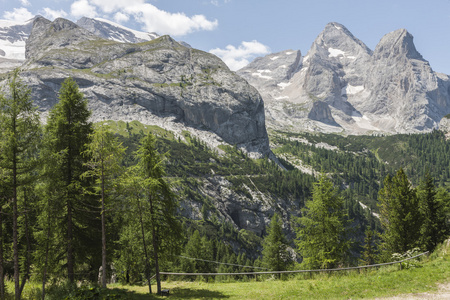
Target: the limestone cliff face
(392, 89)
(156, 81)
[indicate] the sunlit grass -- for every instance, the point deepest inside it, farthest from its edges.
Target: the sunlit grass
(368, 284)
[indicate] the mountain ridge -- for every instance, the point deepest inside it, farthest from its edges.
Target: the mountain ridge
(343, 86)
(159, 82)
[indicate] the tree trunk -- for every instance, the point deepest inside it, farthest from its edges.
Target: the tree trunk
(28, 246)
(69, 243)
(147, 262)
(155, 247)
(15, 231)
(103, 232)
(2, 272)
(44, 276)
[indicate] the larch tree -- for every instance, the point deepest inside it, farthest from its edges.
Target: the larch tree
(19, 138)
(275, 255)
(322, 238)
(68, 131)
(105, 154)
(161, 205)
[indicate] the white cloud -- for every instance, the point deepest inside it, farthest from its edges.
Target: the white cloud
(18, 15)
(82, 8)
(25, 3)
(217, 2)
(110, 6)
(53, 14)
(237, 58)
(162, 22)
(121, 17)
(152, 18)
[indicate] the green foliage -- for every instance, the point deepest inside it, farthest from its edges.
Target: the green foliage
(434, 228)
(322, 237)
(75, 230)
(370, 253)
(275, 255)
(104, 166)
(411, 263)
(19, 140)
(399, 215)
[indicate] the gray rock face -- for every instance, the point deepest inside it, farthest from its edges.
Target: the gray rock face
(444, 125)
(146, 81)
(392, 89)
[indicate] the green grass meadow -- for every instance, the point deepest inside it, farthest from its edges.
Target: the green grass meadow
(366, 284)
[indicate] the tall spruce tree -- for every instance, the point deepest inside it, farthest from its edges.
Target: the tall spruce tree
(399, 214)
(68, 130)
(275, 255)
(433, 229)
(105, 155)
(19, 138)
(322, 237)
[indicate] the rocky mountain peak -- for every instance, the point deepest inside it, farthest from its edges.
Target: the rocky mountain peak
(342, 86)
(397, 43)
(337, 41)
(61, 33)
(158, 82)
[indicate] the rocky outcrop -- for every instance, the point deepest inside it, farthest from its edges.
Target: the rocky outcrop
(392, 89)
(159, 81)
(444, 125)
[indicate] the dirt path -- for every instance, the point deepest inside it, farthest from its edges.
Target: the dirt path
(442, 293)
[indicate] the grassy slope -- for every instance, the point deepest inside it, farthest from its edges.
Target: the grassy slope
(388, 281)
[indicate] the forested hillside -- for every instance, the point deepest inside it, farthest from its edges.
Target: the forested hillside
(360, 163)
(138, 199)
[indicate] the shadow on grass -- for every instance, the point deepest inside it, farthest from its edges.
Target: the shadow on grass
(176, 293)
(184, 293)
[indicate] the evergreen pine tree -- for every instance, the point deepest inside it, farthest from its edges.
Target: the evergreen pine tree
(322, 232)
(19, 137)
(275, 255)
(67, 133)
(399, 215)
(433, 229)
(369, 254)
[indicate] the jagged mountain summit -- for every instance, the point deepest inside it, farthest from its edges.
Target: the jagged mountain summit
(13, 37)
(159, 82)
(341, 85)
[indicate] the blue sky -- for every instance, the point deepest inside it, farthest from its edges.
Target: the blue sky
(240, 30)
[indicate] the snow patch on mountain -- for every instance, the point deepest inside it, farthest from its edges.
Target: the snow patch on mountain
(335, 52)
(139, 34)
(283, 85)
(352, 90)
(14, 50)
